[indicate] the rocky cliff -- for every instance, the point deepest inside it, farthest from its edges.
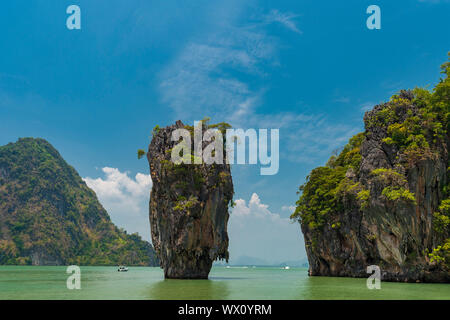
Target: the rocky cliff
(48, 215)
(384, 199)
(188, 208)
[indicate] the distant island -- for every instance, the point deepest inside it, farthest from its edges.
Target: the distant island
(253, 261)
(385, 198)
(48, 215)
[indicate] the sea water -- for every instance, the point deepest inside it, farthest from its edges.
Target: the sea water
(34, 282)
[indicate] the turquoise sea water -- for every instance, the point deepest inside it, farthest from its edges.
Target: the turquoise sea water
(30, 282)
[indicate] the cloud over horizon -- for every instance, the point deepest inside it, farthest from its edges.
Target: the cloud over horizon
(255, 231)
(125, 198)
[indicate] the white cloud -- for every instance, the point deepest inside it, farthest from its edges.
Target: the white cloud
(126, 199)
(342, 100)
(286, 19)
(366, 106)
(304, 138)
(194, 82)
(316, 139)
(253, 229)
(203, 77)
(289, 209)
(256, 231)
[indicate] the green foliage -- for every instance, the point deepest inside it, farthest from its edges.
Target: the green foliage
(347, 188)
(441, 254)
(221, 126)
(184, 205)
(140, 153)
(382, 118)
(336, 225)
(398, 193)
(350, 155)
(319, 196)
(189, 175)
(155, 130)
(396, 183)
(364, 197)
(442, 218)
(190, 129)
(224, 177)
(205, 121)
(389, 176)
(426, 122)
(325, 186)
(371, 237)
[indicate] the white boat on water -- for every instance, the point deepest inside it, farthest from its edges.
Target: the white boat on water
(286, 268)
(122, 269)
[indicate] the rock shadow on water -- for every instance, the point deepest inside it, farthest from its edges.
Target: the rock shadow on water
(180, 289)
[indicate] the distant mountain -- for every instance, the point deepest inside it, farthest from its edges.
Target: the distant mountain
(48, 215)
(249, 261)
(253, 261)
(295, 263)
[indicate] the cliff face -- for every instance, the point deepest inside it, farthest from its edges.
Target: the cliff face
(188, 209)
(384, 200)
(48, 215)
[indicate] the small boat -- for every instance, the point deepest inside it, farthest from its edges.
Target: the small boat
(286, 268)
(122, 269)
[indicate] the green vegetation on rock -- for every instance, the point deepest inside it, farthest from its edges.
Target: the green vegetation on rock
(380, 176)
(155, 130)
(441, 254)
(183, 204)
(321, 194)
(189, 203)
(442, 218)
(398, 193)
(140, 153)
(48, 215)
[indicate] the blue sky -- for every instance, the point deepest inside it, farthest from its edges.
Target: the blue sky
(309, 68)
